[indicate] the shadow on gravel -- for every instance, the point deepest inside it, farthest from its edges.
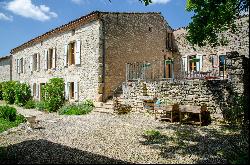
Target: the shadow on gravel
(210, 146)
(46, 152)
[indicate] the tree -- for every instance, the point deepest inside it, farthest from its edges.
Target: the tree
(211, 18)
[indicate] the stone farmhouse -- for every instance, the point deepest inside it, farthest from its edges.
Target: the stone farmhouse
(96, 53)
(90, 53)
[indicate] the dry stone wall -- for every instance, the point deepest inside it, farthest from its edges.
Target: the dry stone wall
(216, 94)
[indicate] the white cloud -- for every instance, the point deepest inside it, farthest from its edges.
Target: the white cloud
(5, 17)
(160, 1)
(78, 2)
(26, 9)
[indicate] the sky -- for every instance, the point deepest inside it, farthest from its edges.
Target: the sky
(23, 20)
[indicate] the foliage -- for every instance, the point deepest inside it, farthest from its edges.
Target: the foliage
(8, 113)
(1, 91)
(30, 104)
(6, 124)
(40, 105)
(9, 91)
(80, 109)
(22, 93)
(234, 113)
(153, 136)
(54, 94)
(211, 18)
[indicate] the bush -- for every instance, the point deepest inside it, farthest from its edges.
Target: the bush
(1, 91)
(22, 93)
(8, 113)
(30, 104)
(74, 109)
(9, 91)
(54, 94)
(40, 105)
(153, 135)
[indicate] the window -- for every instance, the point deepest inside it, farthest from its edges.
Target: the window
(50, 58)
(73, 31)
(169, 44)
(71, 90)
(222, 65)
(20, 65)
(192, 63)
(72, 53)
(35, 60)
(34, 90)
(150, 29)
(71, 57)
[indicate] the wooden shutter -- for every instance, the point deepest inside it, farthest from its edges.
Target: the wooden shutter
(46, 59)
(185, 64)
(76, 92)
(201, 61)
(67, 90)
(18, 66)
(37, 61)
(78, 52)
(31, 64)
(198, 63)
(37, 90)
(54, 58)
(31, 89)
(65, 54)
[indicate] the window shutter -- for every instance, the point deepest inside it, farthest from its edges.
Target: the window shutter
(37, 90)
(198, 63)
(37, 61)
(66, 90)
(65, 54)
(31, 89)
(46, 59)
(17, 64)
(31, 64)
(185, 67)
(201, 61)
(78, 52)
(76, 93)
(54, 58)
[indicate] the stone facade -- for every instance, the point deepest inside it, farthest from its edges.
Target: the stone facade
(85, 74)
(236, 42)
(130, 38)
(5, 68)
(216, 94)
(107, 42)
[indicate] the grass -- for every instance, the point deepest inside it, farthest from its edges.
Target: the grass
(6, 124)
(75, 109)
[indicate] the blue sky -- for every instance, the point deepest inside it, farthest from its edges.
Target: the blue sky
(22, 20)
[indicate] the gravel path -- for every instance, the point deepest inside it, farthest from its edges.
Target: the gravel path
(106, 138)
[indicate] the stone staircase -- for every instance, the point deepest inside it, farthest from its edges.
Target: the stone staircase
(108, 106)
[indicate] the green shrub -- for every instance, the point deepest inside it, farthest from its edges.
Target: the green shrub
(22, 93)
(40, 105)
(152, 135)
(8, 113)
(80, 109)
(1, 91)
(54, 94)
(30, 104)
(9, 91)
(6, 124)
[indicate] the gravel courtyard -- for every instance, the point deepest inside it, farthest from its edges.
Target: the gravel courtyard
(108, 138)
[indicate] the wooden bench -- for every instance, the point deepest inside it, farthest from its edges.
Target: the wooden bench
(190, 109)
(163, 109)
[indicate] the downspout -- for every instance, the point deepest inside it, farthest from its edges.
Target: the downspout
(103, 57)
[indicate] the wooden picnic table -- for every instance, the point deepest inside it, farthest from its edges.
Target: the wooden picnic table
(190, 109)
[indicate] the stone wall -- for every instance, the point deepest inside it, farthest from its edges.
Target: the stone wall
(129, 38)
(86, 74)
(237, 42)
(216, 94)
(5, 68)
